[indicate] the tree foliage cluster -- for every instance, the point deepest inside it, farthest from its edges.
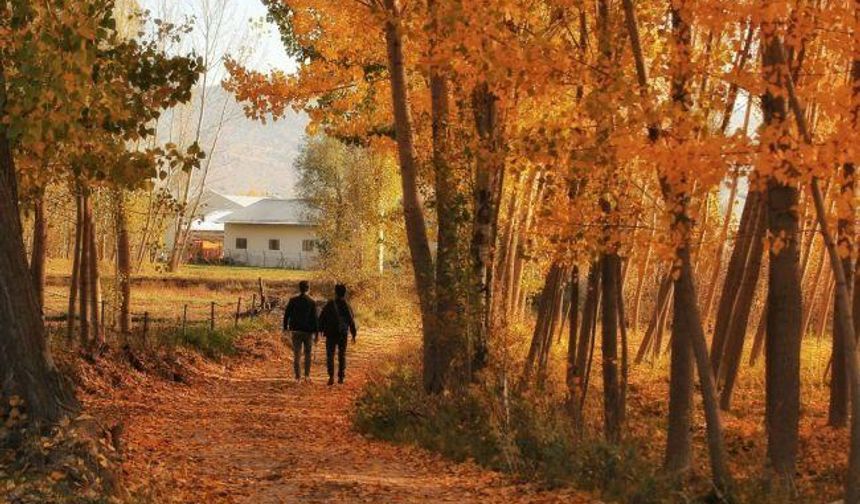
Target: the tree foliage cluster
(81, 84)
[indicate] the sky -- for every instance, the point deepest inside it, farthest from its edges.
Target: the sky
(243, 28)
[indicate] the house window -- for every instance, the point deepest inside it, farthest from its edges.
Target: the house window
(308, 245)
(241, 243)
(274, 244)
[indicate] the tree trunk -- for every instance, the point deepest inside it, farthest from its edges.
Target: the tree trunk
(721, 247)
(546, 310)
(744, 239)
(812, 296)
(784, 305)
(585, 346)
(76, 267)
(123, 263)
(450, 303)
(613, 407)
(517, 293)
(643, 272)
(679, 448)
(26, 366)
(95, 291)
(663, 294)
(571, 375)
(435, 363)
(739, 323)
(685, 294)
(84, 275)
(489, 168)
(40, 249)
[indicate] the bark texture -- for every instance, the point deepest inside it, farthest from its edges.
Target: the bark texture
(26, 367)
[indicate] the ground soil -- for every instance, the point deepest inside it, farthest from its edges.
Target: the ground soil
(245, 432)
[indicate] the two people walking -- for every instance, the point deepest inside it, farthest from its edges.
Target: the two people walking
(336, 322)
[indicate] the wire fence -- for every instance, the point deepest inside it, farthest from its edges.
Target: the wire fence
(173, 322)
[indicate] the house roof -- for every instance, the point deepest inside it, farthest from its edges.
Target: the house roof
(210, 222)
(243, 201)
(295, 212)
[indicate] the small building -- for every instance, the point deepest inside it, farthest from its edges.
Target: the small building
(272, 233)
(206, 231)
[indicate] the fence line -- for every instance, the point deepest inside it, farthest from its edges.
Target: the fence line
(145, 324)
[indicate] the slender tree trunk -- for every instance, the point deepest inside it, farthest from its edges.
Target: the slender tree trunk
(663, 294)
(76, 266)
(504, 263)
(739, 323)
(585, 345)
(489, 167)
(686, 292)
(812, 296)
(517, 293)
(643, 272)
(26, 365)
(613, 407)
(784, 305)
(450, 302)
(551, 323)
(84, 275)
(571, 375)
(95, 290)
(123, 263)
(721, 247)
(745, 237)
(543, 325)
(435, 364)
(679, 448)
(40, 248)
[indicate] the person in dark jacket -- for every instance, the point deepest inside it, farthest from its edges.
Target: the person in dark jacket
(337, 322)
(300, 318)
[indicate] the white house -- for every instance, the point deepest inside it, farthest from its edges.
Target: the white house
(207, 230)
(274, 233)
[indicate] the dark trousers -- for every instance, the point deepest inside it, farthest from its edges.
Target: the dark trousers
(301, 340)
(333, 343)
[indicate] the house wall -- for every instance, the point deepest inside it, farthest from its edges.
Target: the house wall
(290, 256)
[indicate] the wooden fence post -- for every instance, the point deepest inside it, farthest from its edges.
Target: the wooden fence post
(238, 309)
(145, 326)
(184, 321)
(254, 305)
(262, 293)
(212, 317)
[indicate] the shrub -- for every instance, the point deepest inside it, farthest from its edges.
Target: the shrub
(213, 344)
(526, 433)
(392, 407)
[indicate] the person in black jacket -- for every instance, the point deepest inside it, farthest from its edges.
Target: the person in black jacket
(337, 322)
(300, 318)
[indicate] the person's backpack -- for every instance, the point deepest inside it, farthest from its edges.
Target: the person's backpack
(342, 326)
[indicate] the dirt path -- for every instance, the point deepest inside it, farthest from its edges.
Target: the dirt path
(248, 433)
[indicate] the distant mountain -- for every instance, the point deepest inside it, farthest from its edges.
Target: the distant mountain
(250, 157)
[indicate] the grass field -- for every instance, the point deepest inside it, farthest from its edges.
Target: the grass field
(165, 298)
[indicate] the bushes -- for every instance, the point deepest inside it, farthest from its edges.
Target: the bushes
(519, 432)
(213, 344)
(391, 408)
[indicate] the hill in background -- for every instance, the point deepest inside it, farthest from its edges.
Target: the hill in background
(250, 157)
